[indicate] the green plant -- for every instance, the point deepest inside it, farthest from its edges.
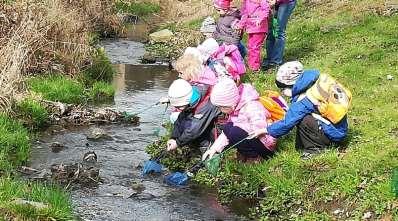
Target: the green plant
(14, 143)
(58, 202)
(137, 8)
(32, 113)
(101, 91)
(101, 69)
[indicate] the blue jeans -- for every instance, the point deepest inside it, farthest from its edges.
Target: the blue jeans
(276, 46)
(242, 49)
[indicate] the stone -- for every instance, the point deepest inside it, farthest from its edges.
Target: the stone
(164, 35)
(97, 134)
(148, 58)
(90, 157)
(338, 212)
(367, 215)
(390, 77)
(138, 187)
(36, 205)
(57, 147)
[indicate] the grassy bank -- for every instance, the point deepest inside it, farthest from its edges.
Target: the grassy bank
(358, 47)
(356, 42)
(15, 147)
(56, 204)
(56, 37)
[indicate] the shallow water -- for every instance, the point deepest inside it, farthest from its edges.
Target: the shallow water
(123, 193)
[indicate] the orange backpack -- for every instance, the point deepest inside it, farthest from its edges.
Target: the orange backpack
(275, 104)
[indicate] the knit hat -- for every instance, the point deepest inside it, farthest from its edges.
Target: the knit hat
(289, 72)
(180, 93)
(225, 93)
(208, 25)
(222, 4)
(207, 48)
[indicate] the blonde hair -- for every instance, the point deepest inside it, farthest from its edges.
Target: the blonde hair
(189, 66)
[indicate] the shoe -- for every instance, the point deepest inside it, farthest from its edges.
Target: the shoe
(254, 160)
(248, 160)
(269, 67)
(240, 157)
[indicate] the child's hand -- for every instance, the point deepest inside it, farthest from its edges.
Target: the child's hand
(171, 145)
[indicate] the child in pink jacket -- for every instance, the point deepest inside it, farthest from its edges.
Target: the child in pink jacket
(254, 21)
(246, 114)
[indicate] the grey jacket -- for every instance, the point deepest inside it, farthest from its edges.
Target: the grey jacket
(195, 123)
(224, 32)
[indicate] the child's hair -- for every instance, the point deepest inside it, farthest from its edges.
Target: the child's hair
(189, 67)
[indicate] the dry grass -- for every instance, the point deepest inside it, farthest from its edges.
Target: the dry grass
(174, 11)
(39, 36)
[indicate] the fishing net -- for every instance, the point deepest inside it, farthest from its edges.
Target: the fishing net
(177, 179)
(213, 164)
(151, 166)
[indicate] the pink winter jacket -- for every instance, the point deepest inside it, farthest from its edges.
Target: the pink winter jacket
(206, 77)
(255, 15)
(249, 115)
(232, 59)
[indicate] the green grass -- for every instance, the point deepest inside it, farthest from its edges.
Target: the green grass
(359, 48)
(101, 91)
(101, 69)
(32, 113)
(194, 24)
(14, 143)
(59, 206)
(137, 8)
(57, 88)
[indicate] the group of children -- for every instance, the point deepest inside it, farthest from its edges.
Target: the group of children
(209, 94)
(257, 18)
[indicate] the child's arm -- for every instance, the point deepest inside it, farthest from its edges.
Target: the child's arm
(242, 22)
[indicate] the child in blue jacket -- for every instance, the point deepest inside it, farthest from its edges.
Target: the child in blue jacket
(313, 131)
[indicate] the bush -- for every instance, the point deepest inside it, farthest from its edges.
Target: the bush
(57, 88)
(101, 69)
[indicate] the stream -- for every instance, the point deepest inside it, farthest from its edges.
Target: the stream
(123, 194)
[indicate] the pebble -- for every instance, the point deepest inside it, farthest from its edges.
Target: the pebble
(367, 215)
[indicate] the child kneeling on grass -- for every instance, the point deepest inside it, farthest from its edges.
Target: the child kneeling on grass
(318, 108)
(246, 114)
(195, 122)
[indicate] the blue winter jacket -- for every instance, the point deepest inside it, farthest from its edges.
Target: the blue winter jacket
(299, 109)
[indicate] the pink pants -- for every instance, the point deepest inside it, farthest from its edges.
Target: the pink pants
(255, 44)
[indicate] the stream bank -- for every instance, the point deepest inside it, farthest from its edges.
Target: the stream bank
(121, 192)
